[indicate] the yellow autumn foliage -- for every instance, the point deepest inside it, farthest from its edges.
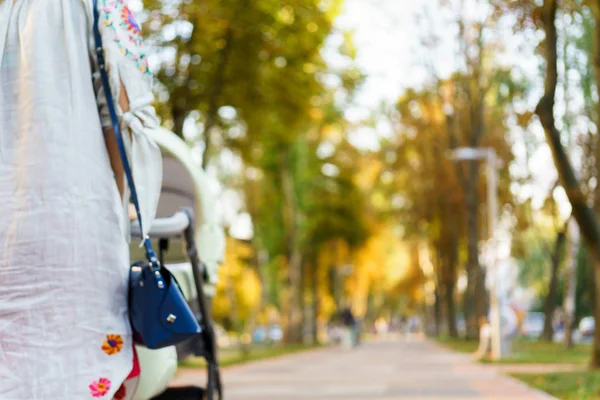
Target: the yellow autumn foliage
(385, 259)
(383, 263)
(239, 289)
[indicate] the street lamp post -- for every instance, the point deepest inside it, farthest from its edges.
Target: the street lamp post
(489, 155)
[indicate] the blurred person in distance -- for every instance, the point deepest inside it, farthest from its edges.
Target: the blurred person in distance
(485, 340)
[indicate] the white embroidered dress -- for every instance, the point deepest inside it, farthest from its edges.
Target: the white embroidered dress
(64, 329)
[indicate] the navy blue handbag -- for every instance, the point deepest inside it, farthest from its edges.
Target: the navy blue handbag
(159, 313)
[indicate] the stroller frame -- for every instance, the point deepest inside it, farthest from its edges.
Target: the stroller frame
(181, 225)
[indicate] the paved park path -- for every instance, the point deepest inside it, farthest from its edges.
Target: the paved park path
(377, 370)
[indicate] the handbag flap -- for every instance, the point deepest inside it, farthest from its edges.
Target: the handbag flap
(175, 314)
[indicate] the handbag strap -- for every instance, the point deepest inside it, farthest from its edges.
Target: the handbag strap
(150, 254)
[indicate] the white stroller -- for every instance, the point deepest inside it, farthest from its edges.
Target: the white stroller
(186, 217)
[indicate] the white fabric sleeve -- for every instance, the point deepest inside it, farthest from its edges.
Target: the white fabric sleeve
(127, 65)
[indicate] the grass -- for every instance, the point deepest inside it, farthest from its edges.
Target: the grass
(528, 352)
(583, 385)
(234, 356)
(548, 353)
(459, 345)
(580, 385)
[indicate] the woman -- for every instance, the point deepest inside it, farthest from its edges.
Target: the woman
(64, 261)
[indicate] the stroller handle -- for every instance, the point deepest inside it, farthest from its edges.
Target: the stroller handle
(169, 227)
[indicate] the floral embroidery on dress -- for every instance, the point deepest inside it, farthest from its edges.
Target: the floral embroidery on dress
(127, 32)
(130, 22)
(121, 393)
(113, 344)
(100, 388)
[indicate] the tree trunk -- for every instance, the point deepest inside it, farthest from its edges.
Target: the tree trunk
(450, 286)
(437, 312)
(294, 256)
(315, 300)
(595, 361)
(178, 114)
(583, 214)
(550, 302)
(336, 279)
(472, 257)
(571, 284)
(450, 304)
(475, 303)
(570, 296)
(439, 278)
(451, 310)
(261, 256)
(595, 7)
(302, 300)
(469, 186)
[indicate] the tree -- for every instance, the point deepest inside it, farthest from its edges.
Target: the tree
(582, 212)
(478, 101)
(425, 191)
(571, 281)
(550, 302)
(250, 76)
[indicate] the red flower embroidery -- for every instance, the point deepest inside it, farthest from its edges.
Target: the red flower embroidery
(130, 21)
(100, 388)
(121, 393)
